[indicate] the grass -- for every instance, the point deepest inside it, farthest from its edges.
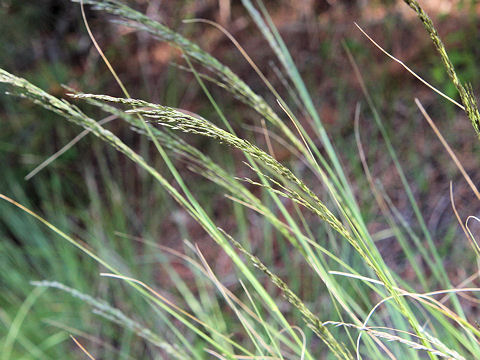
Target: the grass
(331, 294)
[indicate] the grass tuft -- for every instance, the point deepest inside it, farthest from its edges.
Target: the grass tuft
(331, 275)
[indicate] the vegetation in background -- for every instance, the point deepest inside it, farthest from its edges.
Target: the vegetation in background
(304, 274)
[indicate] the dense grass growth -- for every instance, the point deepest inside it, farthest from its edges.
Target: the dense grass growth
(314, 285)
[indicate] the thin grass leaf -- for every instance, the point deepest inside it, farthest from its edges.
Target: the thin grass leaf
(311, 319)
(105, 310)
(465, 91)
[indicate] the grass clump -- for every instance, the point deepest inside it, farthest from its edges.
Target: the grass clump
(365, 308)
